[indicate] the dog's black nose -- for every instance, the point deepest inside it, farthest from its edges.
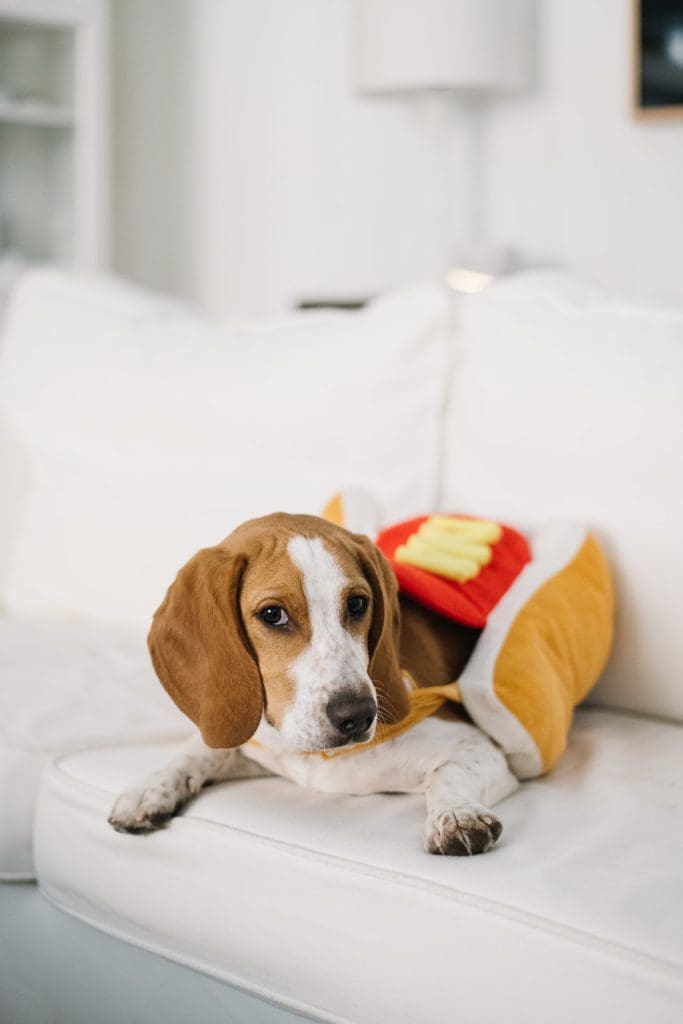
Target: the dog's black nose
(352, 715)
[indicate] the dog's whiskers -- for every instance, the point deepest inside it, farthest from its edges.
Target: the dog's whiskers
(385, 708)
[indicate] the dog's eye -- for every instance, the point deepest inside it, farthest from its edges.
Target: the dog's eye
(273, 615)
(357, 606)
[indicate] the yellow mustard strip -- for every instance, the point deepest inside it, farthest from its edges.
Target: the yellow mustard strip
(453, 544)
(454, 548)
(476, 529)
(424, 556)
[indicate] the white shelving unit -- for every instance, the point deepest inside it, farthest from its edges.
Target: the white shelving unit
(54, 129)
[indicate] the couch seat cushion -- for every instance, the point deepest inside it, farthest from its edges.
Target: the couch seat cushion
(328, 905)
(65, 685)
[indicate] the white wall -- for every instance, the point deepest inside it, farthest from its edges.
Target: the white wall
(151, 171)
(286, 184)
(302, 188)
(248, 175)
(571, 175)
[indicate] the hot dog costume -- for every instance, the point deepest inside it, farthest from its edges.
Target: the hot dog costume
(544, 605)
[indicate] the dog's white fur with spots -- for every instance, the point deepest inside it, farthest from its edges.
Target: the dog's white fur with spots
(307, 600)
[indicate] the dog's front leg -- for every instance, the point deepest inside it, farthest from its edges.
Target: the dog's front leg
(459, 794)
(150, 802)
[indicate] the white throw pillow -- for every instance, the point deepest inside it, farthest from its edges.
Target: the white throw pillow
(567, 402)
(143, 433)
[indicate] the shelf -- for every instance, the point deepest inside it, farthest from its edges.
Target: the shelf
(47, 115)
(54, 131)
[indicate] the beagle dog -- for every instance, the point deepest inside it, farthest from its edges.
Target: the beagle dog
(286, 644)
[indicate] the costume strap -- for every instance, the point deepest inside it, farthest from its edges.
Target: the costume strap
(424, 701)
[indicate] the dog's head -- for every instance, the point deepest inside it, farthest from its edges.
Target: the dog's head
(291, 618)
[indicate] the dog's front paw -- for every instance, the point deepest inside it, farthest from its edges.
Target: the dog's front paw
(150, 806)
(462, 831)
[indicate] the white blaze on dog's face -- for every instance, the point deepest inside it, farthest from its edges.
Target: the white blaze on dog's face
(307, 614)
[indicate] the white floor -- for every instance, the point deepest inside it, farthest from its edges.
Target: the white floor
(55, 970)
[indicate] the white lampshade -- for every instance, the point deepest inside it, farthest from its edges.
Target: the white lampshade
(408, 45)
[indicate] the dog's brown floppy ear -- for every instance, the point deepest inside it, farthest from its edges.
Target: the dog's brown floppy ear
(384, 639)
(200, 651)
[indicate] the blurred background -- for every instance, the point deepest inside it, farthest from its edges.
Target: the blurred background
(253, 155)
(499, 185)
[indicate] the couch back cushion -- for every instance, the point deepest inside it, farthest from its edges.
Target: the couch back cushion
(136, 433)
(569, 403)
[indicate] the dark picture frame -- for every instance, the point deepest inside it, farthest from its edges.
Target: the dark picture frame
(658, 58)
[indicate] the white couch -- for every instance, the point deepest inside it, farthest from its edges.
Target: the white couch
(133, 433)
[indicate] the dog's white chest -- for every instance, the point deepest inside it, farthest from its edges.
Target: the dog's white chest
(400, 765)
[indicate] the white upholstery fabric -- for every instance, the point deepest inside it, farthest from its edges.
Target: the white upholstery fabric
(141, 433)
(567, 403)
(64, 685)
(328, 904)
